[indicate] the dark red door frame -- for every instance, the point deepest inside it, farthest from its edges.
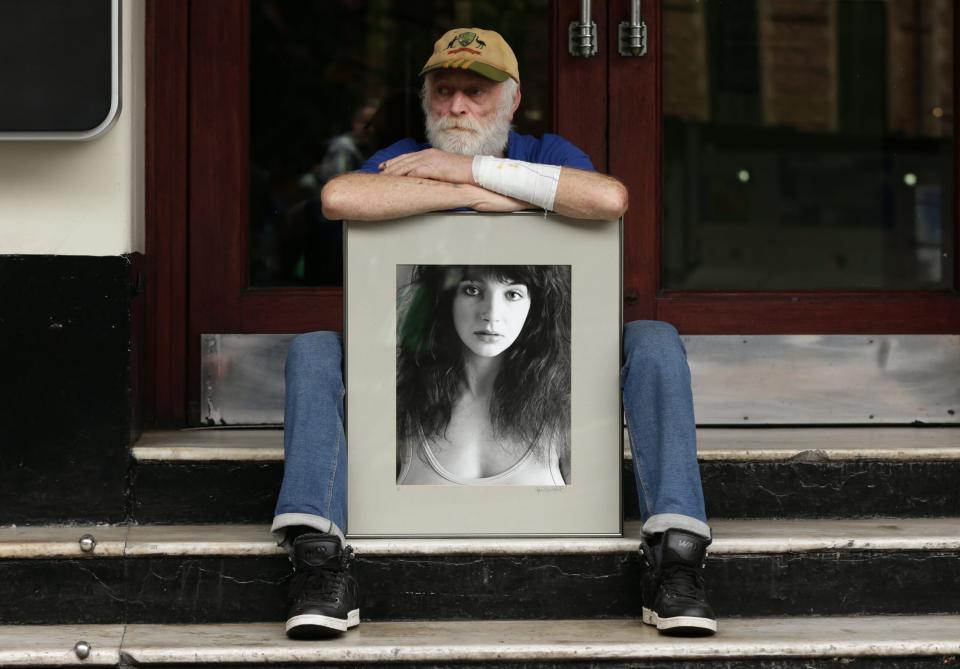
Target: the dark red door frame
(167, 142)
(634, 119)
(635, 157)
(580, 93)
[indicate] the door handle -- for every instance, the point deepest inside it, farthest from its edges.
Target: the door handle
(633, 33)
(583, 33)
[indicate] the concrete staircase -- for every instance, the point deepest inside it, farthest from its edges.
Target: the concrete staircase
(833, 547)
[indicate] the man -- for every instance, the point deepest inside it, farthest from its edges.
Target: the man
(475, 161)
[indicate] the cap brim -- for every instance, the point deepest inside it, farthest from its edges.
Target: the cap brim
(480, 68)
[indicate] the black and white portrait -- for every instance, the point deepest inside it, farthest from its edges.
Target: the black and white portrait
(483, 375)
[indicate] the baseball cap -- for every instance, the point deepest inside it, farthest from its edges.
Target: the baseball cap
(482, 51)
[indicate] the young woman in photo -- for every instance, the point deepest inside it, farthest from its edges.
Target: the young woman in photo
(483, 376)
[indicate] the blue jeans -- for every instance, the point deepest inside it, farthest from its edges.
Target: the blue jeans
(657, 400)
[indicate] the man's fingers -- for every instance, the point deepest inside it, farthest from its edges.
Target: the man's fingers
(429, 164)
(420, 167)
(390, 166)
(398, 169)
(412, 170)
(401, 165)
(387, 165)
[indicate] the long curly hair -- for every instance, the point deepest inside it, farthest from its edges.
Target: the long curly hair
(531, 398)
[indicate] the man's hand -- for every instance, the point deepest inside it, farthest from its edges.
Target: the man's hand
(432, 164)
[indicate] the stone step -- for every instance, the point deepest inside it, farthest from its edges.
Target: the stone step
(205, 574)
(748, 472)
(895, 642)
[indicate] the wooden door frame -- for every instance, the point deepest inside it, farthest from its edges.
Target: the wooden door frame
(167, 143)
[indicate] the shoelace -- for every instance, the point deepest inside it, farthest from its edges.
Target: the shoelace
(683, 581)
(326, 579)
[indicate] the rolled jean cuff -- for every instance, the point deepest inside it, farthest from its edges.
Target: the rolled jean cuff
(284, 520)
(662, 522)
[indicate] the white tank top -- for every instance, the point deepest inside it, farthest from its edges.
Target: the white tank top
(528, 470)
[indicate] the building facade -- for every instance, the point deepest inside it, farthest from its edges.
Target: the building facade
(791, 165)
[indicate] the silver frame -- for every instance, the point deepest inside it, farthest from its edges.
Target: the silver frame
(592, 504)
(115, 89)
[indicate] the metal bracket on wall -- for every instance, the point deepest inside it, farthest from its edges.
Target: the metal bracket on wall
(583, 33)
(633, 34)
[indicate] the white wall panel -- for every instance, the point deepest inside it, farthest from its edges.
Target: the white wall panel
(82, 197)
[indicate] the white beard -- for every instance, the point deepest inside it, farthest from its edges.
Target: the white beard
(472, 138)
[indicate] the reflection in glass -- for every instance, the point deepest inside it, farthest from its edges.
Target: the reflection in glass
(332, 81)
(808, 144)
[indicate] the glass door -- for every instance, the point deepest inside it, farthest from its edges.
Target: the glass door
(283, 95)
(795, 162)
(320, 107)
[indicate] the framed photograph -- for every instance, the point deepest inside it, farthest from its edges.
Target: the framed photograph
(483, 358)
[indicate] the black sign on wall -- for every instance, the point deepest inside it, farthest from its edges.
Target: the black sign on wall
(59, 68)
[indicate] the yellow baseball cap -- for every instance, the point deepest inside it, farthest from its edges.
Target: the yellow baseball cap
(482, 51)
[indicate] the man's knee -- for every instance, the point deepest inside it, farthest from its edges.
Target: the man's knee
(315, 354)
(647, 342)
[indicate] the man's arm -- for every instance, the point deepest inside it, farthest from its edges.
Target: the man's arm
(373, 197)
(583, 194)
(580, 193)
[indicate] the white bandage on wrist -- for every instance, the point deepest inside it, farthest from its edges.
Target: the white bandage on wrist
(530, 182)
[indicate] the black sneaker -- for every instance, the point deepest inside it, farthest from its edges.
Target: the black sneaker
(323, 590)
(674, 596)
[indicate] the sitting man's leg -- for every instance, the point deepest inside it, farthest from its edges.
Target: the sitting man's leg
(658, 405)
(311, 513)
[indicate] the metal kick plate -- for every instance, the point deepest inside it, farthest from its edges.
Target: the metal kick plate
(737, 380)
(242, 379)
(825, 379)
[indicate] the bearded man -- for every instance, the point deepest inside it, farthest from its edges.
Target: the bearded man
(475, 161)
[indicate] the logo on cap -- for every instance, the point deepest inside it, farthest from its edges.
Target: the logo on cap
(465, 40)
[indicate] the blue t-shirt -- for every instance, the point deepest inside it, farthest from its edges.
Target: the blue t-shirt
(551, 150)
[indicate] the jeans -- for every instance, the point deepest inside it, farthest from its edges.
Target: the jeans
(658, 405)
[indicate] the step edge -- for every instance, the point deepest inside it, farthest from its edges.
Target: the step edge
(58, 658)
(206, 454)
(647, 645)
(835, 454)
(53, 645)
(505, 653)
(198, 454)
(364, 547)
(733, 544)
(592, 646)
(161, 446)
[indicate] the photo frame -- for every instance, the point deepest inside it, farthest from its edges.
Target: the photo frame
(482, 361)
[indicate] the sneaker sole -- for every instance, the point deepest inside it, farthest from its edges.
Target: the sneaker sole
(680, 625)
(311, 626)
